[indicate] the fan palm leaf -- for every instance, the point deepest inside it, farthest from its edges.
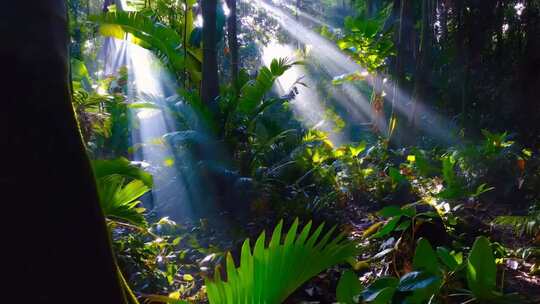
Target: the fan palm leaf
(120, 201)
(270, 274)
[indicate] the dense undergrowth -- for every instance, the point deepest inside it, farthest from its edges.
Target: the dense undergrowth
(412, 223)
(384, 198)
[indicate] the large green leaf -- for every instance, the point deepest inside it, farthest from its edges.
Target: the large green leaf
(416, 280)
(120, 166)
(348, 287)
(120, 201)
(451, 261)
(270, 274)
(425, 257)
(381, 291)
(79, 75)
(482, 270)
(420, 285)
(388, 227)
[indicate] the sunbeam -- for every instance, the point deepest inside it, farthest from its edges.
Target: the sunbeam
(149, 82)
(333, 62)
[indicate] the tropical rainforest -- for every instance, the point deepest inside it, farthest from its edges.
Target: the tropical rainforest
(270, 151)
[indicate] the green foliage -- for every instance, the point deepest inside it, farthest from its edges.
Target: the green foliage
(118, 196)
(528, 224)
(401, 219)
(432, 278)
(270, 274)
(119, 199)
(425, 257)
(451, 260)
(366, 42)
(79, 75)
(348, 288)
(164, 41)
(252, 92)
(381, 291)
(120, 166)
(455, 187)
(481, 270)
(495, 142)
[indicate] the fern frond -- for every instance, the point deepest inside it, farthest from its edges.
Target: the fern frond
(528, 224)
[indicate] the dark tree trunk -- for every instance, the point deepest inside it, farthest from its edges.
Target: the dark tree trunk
(210, 81)
(391, 23)
(529, 78)
(233, 42)
(404, 58)
(58, 244)
(461, 57)
(423, 61)
(405, 40)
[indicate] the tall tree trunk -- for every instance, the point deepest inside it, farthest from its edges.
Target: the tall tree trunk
(529, 78)
(233, 42)
(423, 60)
(405, 37)
(403, 58)
(210, 81)
(482, 16)
(59, 239)
(461, 58)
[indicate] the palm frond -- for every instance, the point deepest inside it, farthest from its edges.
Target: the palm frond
(120, 166)
(118, 197)
(253, 92)
(165, 42)
(270, 274)
(120, 200)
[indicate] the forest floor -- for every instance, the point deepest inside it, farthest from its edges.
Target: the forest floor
(379, 257)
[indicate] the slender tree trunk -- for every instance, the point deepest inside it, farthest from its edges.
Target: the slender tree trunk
(210, 81)
(233, 42)
(57, 238)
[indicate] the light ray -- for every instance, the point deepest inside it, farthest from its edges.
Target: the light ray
(334, 62)
(173, 192)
